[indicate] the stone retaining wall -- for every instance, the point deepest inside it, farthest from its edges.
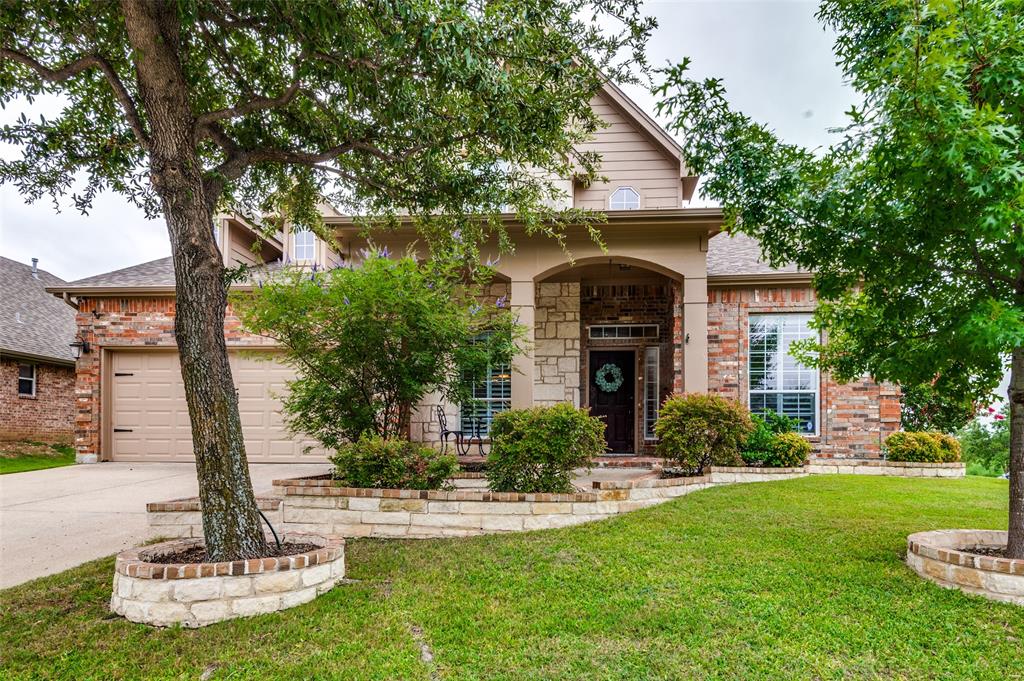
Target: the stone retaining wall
(197, 594)
(941, 556)
(182, 518)
(900, 469)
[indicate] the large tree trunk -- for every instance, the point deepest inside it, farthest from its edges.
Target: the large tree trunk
(1015, 547)
(231, 521)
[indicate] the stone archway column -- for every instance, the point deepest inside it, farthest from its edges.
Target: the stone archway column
(522, 295)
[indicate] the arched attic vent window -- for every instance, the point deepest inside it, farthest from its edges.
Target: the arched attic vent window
(624, 198)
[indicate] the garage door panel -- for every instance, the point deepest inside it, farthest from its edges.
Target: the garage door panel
(148, 401)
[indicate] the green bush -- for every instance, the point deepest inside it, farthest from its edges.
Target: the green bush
(536, 450)
(986, 444)
(759, 446)
(949, 447)
(373, 461)
(698, 430)
(913, 446)
(788, 450)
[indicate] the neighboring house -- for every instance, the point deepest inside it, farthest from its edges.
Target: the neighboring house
(672, 303)
(37, 367)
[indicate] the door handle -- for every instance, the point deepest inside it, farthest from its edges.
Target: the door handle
(123, 430)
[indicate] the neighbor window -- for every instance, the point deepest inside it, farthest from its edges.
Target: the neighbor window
(27, 379)
(491, 396)
(778, 382)
(625, 198)
(303, 245)
(652, 371)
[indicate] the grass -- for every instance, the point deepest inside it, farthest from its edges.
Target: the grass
(18, 457)
(797, 579)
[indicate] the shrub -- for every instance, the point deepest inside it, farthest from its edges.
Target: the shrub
(536, 450)
(698, 430)
(949, 447)
(788, 450)
(913, 446)
(762, 439)
(373, 461)
(986, 444)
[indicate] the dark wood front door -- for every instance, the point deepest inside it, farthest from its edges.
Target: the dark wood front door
(616, 406)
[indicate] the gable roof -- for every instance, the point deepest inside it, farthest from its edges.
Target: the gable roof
(33, 323)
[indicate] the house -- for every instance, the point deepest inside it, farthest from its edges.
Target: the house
(671, 305)
(37, 366)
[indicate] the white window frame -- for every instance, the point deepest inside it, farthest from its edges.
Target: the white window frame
(33, 379)
(652, 389)
(622, 206)
(296, 246)
(816, 392)
(488, 406)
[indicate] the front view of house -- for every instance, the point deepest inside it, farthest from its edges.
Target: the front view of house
(669, 305)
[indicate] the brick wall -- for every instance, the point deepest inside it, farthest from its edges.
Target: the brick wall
(49, 415)
(126, 322)
(853, 418)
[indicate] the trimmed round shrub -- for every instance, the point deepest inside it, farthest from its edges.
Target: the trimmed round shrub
(536, 450)
(913, 446)
(788, 450)
(758, 448)
(698, 430)
(949, 447)
(373, 461)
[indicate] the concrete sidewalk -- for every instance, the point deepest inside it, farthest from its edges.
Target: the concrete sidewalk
(54, 519)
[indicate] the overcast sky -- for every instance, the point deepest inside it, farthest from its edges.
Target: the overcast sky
(775, 58)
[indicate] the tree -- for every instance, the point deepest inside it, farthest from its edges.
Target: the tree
(912, 223)
(433, 108)
(925, 407)
(986, 443)
(368, 343)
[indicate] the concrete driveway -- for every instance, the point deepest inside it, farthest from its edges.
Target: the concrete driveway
(54, 519)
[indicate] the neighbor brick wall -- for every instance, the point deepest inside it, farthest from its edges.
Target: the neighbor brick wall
(854, 418)
(49, 415)
(111, 323)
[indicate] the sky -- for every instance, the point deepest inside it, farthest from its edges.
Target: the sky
(775, 58)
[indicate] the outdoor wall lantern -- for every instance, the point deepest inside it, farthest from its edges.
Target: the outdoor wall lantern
(79, 347)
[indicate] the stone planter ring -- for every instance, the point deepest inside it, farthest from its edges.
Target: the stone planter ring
(198, 594)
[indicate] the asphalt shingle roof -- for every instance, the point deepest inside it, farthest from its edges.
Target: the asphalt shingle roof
(153, 273)
(739, 255)
(32, 321)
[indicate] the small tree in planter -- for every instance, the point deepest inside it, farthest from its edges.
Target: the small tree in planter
(368, 343)
(696, 431)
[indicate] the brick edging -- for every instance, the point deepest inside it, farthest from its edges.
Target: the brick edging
(941, 545)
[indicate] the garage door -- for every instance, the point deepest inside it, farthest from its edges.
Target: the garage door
(149, 417)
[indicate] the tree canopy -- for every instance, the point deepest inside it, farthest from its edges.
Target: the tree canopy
(912, 221)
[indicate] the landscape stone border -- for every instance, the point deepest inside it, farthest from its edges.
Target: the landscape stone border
(197, 594)
(183, 518)
(943, 557)
(898, 469)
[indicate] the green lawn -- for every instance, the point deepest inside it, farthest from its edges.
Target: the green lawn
(799, 579)
(18, 457)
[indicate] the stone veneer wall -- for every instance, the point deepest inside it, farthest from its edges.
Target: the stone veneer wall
(854, 418)
(942, 557)
(112, 323)
(556, 351)
(47, 416)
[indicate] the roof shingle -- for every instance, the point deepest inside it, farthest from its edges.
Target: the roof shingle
(32, 321)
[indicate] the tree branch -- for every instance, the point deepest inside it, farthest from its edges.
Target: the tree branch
(79, 65)
(256, 103)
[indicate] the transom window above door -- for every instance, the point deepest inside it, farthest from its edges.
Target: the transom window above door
(778, 382)
(303, 245)
(623, 331)
(624, 198)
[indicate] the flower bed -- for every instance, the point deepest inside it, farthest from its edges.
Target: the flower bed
(198, 594)
(944, 557)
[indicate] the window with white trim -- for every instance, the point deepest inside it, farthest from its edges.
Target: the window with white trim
(624, 198)
(491, 396)
(623, 331)
(778, 382)
(652, 372)
(27, 380)
(303, 245)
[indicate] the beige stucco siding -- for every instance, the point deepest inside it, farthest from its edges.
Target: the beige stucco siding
(629, 158)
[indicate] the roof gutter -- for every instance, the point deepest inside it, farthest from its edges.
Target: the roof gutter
(44, 359)
(768, 279)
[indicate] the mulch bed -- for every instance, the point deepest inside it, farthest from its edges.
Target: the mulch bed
(990, 551)
(197, 554)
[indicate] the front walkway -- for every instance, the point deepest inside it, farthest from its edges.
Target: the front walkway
(54, 519)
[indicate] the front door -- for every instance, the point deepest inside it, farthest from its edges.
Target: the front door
(613, 396)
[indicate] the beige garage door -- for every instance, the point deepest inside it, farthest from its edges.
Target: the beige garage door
(149, 419)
